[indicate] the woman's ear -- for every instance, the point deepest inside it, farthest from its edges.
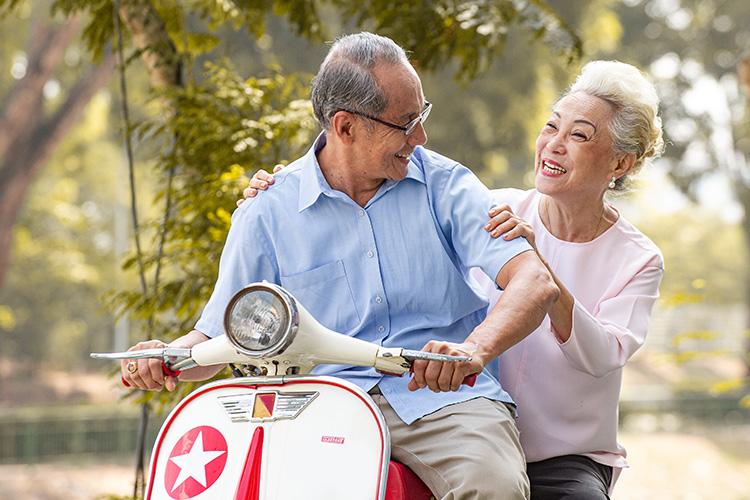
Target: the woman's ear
(625, 164)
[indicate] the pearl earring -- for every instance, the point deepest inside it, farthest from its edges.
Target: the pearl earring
(612, 183)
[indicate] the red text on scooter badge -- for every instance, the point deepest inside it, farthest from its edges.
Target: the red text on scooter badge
(196, 462)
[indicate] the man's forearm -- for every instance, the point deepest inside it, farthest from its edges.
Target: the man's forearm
(561, 312)
(527, 298)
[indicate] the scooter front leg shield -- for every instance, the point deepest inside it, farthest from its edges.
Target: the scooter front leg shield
(285, 438)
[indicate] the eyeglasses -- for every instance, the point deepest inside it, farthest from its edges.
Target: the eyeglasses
(407, 129)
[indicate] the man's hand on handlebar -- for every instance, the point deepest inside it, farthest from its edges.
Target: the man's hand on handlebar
(445, 377)
(146, 374)
(149, 373)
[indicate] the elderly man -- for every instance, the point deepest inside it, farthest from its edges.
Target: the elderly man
(373, 234)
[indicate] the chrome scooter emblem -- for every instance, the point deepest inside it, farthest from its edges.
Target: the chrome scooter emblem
(267, 406)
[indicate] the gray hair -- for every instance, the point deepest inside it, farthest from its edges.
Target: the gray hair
(635, 126)
(345, 79)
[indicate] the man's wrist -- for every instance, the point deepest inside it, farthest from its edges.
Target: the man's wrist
(478, 351)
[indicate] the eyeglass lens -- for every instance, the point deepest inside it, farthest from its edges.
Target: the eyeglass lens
(420, 119)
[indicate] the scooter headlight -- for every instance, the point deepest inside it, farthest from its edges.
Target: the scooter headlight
(261, 320)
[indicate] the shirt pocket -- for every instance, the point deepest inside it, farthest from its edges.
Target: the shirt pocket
(325, 292)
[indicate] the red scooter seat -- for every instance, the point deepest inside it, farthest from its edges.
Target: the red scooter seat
(403, 484)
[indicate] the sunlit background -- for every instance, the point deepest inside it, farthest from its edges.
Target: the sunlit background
(67, 429)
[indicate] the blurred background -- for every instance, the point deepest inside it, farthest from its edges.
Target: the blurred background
(214, 90)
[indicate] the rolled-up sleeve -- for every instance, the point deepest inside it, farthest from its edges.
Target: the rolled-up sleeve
(603, 342)
(461, 204)
(246, 258)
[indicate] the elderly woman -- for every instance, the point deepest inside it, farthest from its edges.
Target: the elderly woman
(566, 376)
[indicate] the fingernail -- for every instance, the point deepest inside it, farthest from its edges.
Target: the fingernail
(487, 226)
(263, 184)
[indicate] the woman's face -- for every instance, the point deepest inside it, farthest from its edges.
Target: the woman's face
(574, 151)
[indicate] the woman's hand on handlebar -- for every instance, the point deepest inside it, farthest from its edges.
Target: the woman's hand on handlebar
(260, 182)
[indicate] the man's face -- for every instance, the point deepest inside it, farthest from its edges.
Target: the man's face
(383, 153)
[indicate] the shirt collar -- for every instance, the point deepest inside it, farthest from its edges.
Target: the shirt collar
(313, 183)
(413, 171)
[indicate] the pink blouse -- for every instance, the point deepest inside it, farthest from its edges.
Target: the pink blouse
(567, 393)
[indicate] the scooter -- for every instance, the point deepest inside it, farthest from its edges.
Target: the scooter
(279, 433)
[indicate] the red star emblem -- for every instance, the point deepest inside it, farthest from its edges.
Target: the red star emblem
(196, 462)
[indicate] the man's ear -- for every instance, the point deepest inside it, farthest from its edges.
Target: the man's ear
(343, 125)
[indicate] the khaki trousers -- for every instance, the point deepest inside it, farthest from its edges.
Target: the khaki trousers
(464, 451)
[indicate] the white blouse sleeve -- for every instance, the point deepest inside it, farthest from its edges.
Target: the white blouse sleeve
(603, 343)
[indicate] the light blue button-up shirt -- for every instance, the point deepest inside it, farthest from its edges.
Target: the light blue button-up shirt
(392, 272)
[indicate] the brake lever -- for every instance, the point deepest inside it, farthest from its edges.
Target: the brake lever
(163, 353)
(173, 359)
(411, 356)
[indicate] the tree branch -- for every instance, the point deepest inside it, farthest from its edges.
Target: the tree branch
(44, 56)
(152, 40)
(743, 72)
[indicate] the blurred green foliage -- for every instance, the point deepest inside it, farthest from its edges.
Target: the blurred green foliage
(492, 86)
(705, 258)
(225, 126)
(472, 33)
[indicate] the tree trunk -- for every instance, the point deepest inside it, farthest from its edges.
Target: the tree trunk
(743, 194)
(745, 198)
(35, 139)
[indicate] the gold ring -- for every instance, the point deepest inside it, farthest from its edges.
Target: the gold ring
(132, 367)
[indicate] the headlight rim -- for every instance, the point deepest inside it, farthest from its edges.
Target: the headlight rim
(287, 337)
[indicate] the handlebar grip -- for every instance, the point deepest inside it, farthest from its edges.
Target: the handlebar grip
(470, 380)
(169, 372)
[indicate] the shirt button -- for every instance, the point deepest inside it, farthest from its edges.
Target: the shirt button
(381, 328)
(361, 213)
(378, 299)
(370, 253)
